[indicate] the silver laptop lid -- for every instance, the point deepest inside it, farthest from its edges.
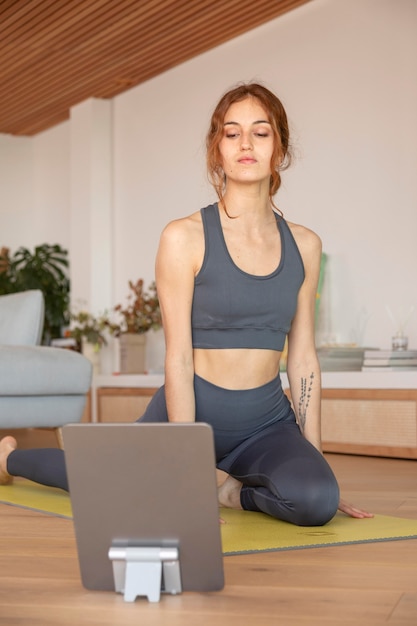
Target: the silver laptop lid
(145, 485)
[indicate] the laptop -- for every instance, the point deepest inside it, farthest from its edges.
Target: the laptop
(145, 486)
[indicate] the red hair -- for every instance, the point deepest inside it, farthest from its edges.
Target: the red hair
(277, 117)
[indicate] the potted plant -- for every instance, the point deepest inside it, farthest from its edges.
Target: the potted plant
(46, 269)
(89, 333)
(141, 314)
(85, 328)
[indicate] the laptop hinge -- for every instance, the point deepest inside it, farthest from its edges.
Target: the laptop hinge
(145, 571)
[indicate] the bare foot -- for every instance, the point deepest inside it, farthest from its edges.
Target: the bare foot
(7, 445)
(229, 493)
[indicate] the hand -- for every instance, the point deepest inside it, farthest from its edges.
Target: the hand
(353, 511)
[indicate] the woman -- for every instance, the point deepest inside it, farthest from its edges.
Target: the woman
(234, 280)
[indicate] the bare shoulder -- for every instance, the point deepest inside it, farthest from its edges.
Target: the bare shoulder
(308, 242)
(184, 228)
(183, 239)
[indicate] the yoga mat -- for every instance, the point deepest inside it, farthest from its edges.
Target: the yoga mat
(244, 532)
(29, 495)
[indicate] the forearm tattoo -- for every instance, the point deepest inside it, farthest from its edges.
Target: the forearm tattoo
(304, 401)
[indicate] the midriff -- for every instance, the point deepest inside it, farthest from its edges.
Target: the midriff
(237, 368)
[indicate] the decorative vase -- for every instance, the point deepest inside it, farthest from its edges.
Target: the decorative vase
(132, 353)
(399, 342)
(92, 353)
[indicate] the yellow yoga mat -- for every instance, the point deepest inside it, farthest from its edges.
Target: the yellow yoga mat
(244, 531)
(247, 532)
(29, 495)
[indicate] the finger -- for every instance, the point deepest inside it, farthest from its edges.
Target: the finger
(353, 511)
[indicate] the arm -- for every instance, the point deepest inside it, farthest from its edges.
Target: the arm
(175, 283)
(303, 368)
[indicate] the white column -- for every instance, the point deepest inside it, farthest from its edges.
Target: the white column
(91, 204)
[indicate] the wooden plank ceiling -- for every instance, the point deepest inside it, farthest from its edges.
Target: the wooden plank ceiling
(57, 53)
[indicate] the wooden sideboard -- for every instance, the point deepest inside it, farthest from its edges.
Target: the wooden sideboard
(122, 398)
(377, 422)
(370, 413)
(122, 404)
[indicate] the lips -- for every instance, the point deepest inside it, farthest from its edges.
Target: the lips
(247, 161)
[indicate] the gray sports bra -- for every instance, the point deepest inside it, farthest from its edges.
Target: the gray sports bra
(233, 309)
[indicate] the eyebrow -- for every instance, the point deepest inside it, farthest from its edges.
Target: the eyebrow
(253, 123)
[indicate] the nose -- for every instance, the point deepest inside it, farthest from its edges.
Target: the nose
(245, 141)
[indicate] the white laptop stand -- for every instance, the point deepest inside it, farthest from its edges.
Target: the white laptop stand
(145, 571)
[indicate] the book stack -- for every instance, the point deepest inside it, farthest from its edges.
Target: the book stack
(391, 360)
(340, 358)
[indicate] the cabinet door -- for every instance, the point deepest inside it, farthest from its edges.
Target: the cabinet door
(378, 422)
(122, 405)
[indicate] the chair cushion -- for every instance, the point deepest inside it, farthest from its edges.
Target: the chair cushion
(40, 411)
(22, 318)
(41, 370)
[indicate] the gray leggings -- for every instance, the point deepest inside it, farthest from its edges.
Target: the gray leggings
(256, 440)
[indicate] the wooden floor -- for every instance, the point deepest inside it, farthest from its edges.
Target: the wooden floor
(357, 585)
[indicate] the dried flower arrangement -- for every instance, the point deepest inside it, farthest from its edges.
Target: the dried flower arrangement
(142, 312)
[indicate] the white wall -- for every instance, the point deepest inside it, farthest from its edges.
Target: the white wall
(34, 189)
(50, 197)
(16, 183)
(346, 71)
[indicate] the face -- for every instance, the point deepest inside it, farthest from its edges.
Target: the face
(248, 142)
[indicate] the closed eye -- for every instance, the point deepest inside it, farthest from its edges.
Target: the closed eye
(256, 134)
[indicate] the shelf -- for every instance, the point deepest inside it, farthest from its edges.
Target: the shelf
(330, 380)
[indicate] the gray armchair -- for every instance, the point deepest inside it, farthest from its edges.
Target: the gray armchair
(40, 387)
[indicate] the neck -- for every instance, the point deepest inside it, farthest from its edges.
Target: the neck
(252, 206)
(251, 200)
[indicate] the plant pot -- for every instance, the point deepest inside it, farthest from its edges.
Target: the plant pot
(90, 351)
(132, 353)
